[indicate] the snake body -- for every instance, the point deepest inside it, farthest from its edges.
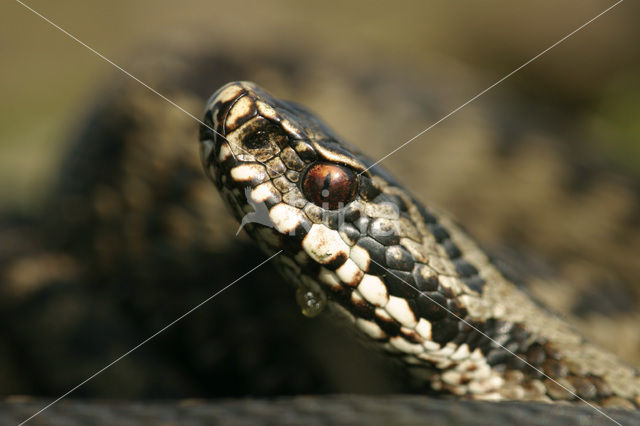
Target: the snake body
(353, 240)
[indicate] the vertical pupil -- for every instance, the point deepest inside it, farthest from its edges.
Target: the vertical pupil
(329, 186)
(326, 185)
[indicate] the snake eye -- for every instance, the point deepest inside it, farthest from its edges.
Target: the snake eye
(329, 186)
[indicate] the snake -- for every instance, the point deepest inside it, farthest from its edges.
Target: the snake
(131, 235)
(354, 242)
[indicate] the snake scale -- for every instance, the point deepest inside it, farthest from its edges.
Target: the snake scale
(98, 251)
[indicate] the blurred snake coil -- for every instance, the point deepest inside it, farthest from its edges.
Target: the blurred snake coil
(133, 235)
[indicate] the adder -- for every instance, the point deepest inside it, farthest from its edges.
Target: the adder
(127, 246)
(356, 242)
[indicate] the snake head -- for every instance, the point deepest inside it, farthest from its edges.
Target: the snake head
(348, 232)
(277, 166)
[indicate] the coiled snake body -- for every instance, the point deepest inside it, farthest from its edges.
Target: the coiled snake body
(407, 277)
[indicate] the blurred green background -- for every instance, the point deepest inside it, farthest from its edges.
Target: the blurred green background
(47, 80)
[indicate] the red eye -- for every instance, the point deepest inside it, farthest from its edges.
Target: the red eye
(329, 186)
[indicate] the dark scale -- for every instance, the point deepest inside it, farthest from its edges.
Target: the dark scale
(377, 253)
(398, 201)
(304, 150)
(522, 336)
(429, 305)
(584, 387)
(399, 258)
(273, 199)
(515, 362)
(466, 335)
(555, 368)
(337, 261)
(207, 125)
(361, 309)
(340, 294)
(502, 335)
(400, 284)
(439, 232)
(475, 283)
(351, 232)
(446, 291)
(536, 355)
(263, 135)
(206, 133)
(451, 249)
(221, 109)
(249, 142)
(361, 224)
(331, 219)
(497, 356)
(424, 278)
(474, 338)
(221, 168)
(428, 217)
(383, 231)
(444, 331)
(602, 389)
(298, 235)
(277, 135)
(464, 268)
(497, 339)
(456, 308)
(366, 188)
(388, 325)
(411, 336)
(352, 213)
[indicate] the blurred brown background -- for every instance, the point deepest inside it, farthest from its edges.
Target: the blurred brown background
(547, 164)
(47, 79)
